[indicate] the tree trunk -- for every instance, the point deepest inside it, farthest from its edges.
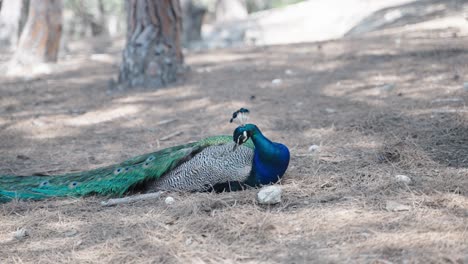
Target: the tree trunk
(92, 16)
(152, 56)
(193, 15)
(40, 40)
(228, 10)
(13, 16)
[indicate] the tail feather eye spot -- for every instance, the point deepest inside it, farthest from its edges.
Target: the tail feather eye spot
(118, 171)
(150, 158)
(44, 184)
(73, 185)
(146, 165)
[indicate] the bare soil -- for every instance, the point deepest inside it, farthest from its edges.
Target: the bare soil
(377, 106)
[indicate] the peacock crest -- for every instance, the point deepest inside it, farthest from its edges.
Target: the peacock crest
(240, 116)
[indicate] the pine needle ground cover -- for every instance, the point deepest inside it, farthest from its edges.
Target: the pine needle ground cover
(372, 113)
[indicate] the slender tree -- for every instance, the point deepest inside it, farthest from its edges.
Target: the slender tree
(193, 14)
(40, 39)
(13, 15)
(152, 56)
(228, 10)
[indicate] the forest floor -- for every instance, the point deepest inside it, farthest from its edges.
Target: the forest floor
(377, 106)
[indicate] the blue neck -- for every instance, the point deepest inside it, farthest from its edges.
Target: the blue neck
(270, 159)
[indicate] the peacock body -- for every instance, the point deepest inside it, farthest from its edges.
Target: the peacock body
(218, 163)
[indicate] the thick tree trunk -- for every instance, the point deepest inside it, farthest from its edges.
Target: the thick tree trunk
(152, 56)
(40, 40)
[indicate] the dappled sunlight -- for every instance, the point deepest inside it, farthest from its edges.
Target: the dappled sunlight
(162, 94)
(96, 117)
(218, 57)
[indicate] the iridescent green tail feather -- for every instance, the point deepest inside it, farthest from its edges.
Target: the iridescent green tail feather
(113, 180)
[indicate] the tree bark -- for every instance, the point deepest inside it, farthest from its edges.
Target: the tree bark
(152, 56)
(40, 39)
(229, 10)
(193, 15)
(13, 16)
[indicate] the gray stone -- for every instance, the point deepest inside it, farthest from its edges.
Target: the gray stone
(393, 206)
(465, 86)
(269, 195)
(403, 179)
(21, 233)
(314, 148)
(169, 200)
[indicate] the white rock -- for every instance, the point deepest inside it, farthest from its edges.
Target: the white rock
(393, 206)
(169, 200)
(465, 86)
(21, 233)
(314, 148)
(330, 110)
(289, 72)
(276, 81)
(387, 87)
(403, 179)
(269, 195)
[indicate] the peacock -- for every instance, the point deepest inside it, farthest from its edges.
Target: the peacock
(217, 163)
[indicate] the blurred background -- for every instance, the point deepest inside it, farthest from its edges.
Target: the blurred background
(209, 24)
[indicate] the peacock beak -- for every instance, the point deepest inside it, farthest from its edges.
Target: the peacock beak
(235, 147)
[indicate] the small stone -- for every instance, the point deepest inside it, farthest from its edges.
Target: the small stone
(76, 112)
(289, 72)
(330, 110)
(387, 87)
(276, 81)
(269, 195)
(314, 148)
(38, 123)
(188, 242)
(446, 101)
(465, 86)
(169, 200)
(71, 233)
(22, 157)
(393, 206)
(403, 179)
(21, 233)
(398, 42)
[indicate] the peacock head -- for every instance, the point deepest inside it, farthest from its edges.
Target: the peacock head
(243, 132)
(241, 135)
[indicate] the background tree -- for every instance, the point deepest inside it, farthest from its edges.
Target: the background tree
(40, 39)
(227, 10)
(152, 56)
(89, 17)
(13, 15)
(193, 14)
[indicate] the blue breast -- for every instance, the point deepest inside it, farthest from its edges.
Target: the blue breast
(270, 165)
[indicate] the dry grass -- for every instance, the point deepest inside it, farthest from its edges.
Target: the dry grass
(334, 207)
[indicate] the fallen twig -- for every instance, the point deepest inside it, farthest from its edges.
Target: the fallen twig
(166, 121)
(175, 134)
(131, 199)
